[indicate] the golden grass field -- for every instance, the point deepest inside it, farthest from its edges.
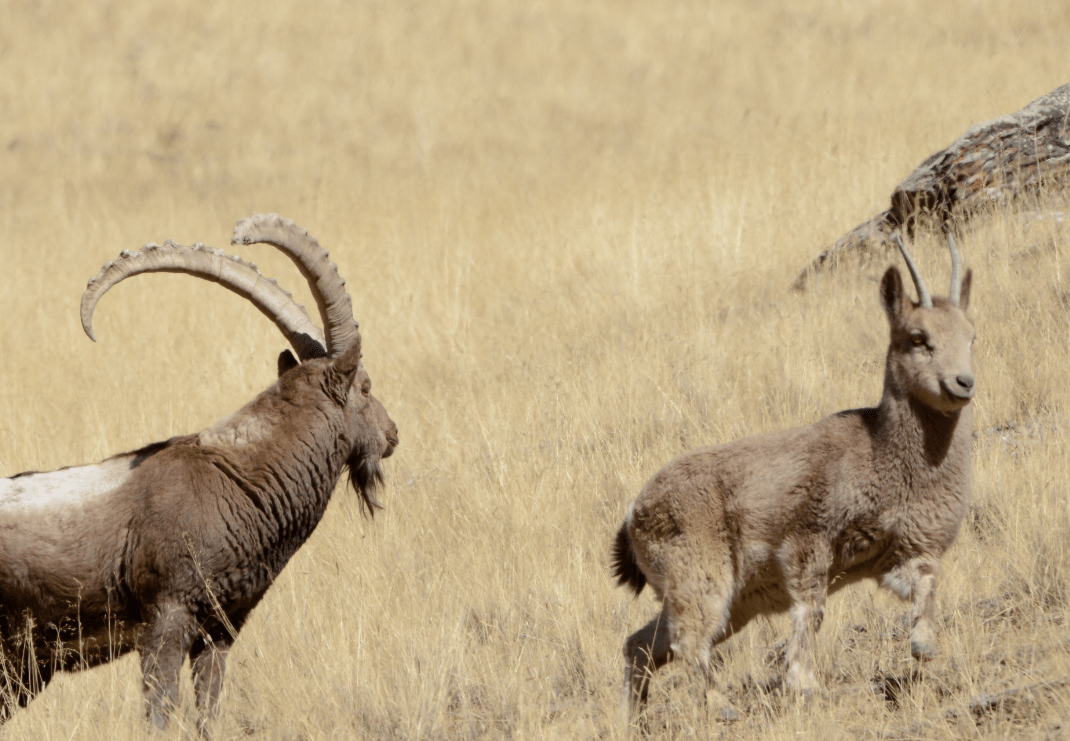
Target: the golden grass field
(568, 229)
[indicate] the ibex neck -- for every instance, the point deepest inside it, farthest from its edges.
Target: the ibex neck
(920, 437)
(298, 487)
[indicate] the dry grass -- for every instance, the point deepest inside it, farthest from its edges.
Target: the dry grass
(568, 229)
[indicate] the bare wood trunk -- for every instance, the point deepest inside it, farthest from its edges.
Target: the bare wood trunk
(988, 167)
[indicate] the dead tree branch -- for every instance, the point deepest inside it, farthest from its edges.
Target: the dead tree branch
(989, 166)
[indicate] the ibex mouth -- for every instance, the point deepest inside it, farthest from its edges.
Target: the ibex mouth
(960, 389)
(391, 443)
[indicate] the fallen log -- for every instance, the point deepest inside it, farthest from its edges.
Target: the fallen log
(990, 166)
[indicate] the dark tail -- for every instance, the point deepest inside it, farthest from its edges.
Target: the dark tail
(624, 566)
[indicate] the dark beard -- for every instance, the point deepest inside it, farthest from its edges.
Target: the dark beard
(366, 475)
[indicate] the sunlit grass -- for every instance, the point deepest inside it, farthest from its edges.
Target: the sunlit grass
(568, 231)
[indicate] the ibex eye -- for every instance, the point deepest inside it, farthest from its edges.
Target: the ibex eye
(917, 338)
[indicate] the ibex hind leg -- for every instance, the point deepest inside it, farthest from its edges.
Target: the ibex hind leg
(645, 651)
(687, 628)
(699, 622)
(15, 695)
(22, 678)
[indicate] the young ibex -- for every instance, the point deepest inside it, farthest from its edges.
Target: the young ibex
(775, 521)
(166, 550)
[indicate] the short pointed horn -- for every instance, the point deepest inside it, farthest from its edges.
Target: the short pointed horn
(956, 269)
(924, 298)
(328, 287)
(213, 265)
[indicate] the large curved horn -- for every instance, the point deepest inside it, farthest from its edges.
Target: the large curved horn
(328, 287)
(955, 292)
(229, 271)
(924, 298)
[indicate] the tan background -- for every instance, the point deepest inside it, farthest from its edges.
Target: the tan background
(568, 229)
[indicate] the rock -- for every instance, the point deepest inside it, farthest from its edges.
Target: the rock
(988, 167)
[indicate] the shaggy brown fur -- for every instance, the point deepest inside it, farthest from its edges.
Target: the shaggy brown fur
(170, 547)
(776, 521)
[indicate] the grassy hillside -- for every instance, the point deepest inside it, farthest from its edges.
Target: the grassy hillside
(568, 230)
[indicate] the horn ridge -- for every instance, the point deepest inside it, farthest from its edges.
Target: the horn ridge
(925, 299)
(955, 292)
(216, 266)
(328, 287)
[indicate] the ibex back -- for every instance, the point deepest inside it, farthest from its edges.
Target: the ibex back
(775, 521)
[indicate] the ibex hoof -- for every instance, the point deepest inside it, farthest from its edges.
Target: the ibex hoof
(923, 641)
(727, 714)
(922, 650)
(720, 709)
(801, 681)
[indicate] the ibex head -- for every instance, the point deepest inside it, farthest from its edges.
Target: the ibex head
(930, 354)
(370, 432)
(333, 353)
(376, 436)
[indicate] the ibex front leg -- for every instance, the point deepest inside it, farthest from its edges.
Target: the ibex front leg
(806, 572)
(923, 609)
(208, 658)
(915, 580)
(170, 636)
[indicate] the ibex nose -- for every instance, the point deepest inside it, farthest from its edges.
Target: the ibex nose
(391, 440)
(965, 380)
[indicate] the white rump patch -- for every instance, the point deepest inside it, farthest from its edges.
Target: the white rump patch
(63, 489)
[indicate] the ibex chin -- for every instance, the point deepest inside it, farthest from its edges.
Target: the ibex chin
(166, 550)
(775, 521)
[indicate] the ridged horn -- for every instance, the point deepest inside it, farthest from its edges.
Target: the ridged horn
(925, 300)
(216, 266)
(328, 287)
(955, 293)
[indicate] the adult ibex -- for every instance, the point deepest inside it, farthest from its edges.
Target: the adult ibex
(166, 550)
(775, 521)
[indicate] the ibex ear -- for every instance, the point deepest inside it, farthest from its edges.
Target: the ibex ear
(287, 362)
(964, 293)
(893, 295)
(341, 372)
